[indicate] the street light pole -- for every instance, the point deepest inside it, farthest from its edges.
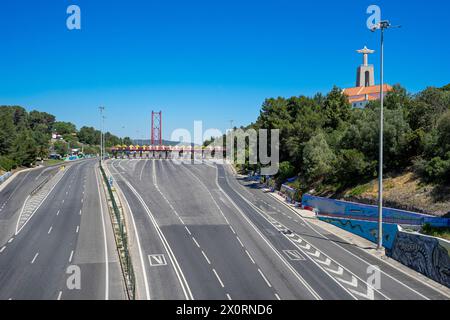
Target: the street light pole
(380, 170)
(383, 25)
(101, 135)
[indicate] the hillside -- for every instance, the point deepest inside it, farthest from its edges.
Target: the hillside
(405, 191)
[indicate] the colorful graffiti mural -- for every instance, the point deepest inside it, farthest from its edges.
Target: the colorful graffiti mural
(344, 209)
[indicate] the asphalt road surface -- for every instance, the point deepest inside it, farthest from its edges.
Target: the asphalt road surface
(202, 234)
(67, 249)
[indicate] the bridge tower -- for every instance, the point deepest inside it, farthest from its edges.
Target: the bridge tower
(156, 128)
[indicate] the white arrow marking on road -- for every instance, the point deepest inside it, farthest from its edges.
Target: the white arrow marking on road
(315, 254)
(327, 262)
(339, 271)
(353, 283)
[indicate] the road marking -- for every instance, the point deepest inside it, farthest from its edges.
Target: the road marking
(157, 260)
(240, 242)
(229, 297)
(59, 295)
(104, 239)
(264, 277)
(2, 249)
(144, 270)
(80, 212)
(248, 253)
(294, 255)
(277, 296)
(57, 213)
(195, 241)
(71, 256)
(204, 255)
(34, 259)
(82, 200)
(232, 229)
(179, 272)
(50, 230)
(10, 240)
(274, 250)
(63, 201)
(218, 278)
(78, 229)
(187, 229)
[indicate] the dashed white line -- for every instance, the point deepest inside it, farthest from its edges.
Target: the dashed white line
(188, 231)
(218, 278)
(35, 257)
(195, 241)
(229, 297)
(57, 213)
(78, 229)
(206, 257)
(240, 242)
(277, 296)
(232, 229)
(71, 256)
(59, 295)
(264, 277)
(10, 240)
(80, 212)
(50, 230)
(248, 253)
(2, 249)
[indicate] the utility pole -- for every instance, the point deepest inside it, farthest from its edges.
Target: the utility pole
(101, 134)
(383, 25)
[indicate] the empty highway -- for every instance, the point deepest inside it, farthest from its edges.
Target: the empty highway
(199, 233)
(69, 234)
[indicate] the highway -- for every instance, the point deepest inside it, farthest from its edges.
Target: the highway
(70, 232)
(200, 233)
(196, 232)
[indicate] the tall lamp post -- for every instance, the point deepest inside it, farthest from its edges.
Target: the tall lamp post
(101, 134)
(382, 26)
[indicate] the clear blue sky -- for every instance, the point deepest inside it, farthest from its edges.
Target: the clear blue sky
(211, 60)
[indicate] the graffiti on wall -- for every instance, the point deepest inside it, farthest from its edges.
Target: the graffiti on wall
(427, 255)
(365, 229)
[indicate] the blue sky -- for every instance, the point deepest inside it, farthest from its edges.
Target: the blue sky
(204, 60)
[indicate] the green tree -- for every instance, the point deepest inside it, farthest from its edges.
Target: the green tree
(318, 159)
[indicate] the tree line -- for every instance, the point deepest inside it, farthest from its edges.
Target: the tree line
(26, 136)
(331, 146)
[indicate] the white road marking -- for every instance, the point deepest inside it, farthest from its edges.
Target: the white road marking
(240, 242)
(104, 238)
(10, 240)
(78, 229)
(34, 259)
(2, 249)
(248, 253)
(80, 212)
(206, 258)
(229, 297)
(59, 296)
(264, 277)
(195, 241)
(71, 256)
(50, 230)
(277, 296)
(57, 213)
(218, 278)
(188, 231)
(232, 229)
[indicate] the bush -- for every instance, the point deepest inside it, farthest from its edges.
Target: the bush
(7, 164)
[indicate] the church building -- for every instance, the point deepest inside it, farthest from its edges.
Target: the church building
(365, 90)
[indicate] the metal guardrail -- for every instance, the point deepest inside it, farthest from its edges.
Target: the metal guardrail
(122, 242)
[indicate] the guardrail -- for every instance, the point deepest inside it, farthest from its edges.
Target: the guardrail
(121, 237)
